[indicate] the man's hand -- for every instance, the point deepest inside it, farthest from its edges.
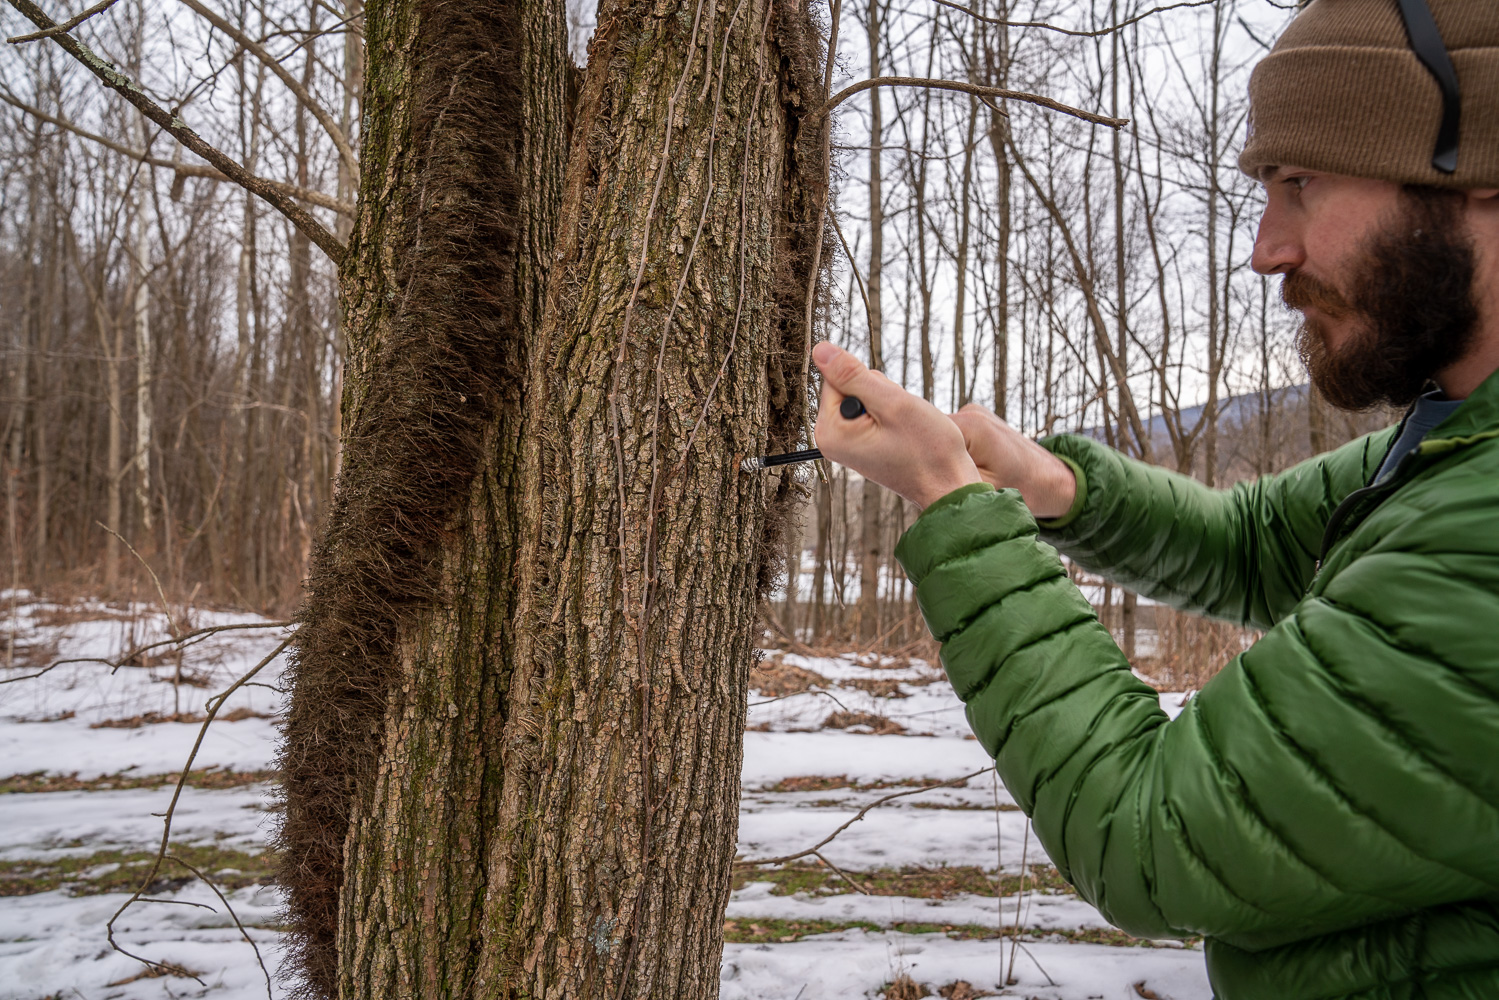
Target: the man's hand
(901, 442)
(1007, 458)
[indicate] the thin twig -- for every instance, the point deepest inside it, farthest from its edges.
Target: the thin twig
(176, 902)
(821, 691)
(124, 658)
(317, 198)
(1071, 31)
(853, 267)
(815, 848)
(965, 88)
(642, 637)
(743, 236)
(1019, 901)
(822, 206)
(213, 705)
(341, 141)
(843, 874)
(165, 608)
(132, 92)
(66, 26)
(235, 917)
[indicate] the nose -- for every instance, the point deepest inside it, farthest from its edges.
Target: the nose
(1277, 243)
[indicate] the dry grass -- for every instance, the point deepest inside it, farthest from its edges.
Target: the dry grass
(878, 725)
(962, 989)
(828, 782)
(40, 781)
(29, 653)
(157, 972)
(905, 988)
(1190, 650)
(878, 687)
(155, 718)
(912, 881)
(775, 678)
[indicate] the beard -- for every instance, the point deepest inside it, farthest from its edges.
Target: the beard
(1411, 296)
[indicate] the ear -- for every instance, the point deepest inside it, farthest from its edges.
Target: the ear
(1482, 210)
(1483, 199)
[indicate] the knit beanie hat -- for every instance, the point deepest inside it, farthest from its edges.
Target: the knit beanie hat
(1343, 90)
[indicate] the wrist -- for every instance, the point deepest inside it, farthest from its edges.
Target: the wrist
(938, 488)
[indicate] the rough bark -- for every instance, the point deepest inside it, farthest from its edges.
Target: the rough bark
(511, 764)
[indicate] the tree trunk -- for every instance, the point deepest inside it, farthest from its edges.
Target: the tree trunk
(141, 311)
(512, 758)
(872, 495)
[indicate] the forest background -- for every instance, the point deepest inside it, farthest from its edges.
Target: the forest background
(172, 356)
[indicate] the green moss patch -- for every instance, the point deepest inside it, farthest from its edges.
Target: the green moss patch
(923, 883)
(828, 782)
(771, 930)
(212, 777)
(122, 871)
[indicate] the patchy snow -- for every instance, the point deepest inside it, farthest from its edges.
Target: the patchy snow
(854, 964)
(1045, 911)
(54, 943)
(772, 757)
(55, 824)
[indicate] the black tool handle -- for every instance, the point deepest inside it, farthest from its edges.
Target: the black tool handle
(852, 408)
(788, 458)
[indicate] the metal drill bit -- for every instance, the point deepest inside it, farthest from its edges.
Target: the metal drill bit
(851, 408)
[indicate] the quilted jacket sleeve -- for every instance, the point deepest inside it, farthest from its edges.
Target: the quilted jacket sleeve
(1244, 554)
(1339, 772)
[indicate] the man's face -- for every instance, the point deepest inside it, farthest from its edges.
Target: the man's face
(1382, 275)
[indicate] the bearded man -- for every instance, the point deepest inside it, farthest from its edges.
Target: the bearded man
(1325, 812)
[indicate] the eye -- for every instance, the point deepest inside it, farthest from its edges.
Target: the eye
(1298, 182)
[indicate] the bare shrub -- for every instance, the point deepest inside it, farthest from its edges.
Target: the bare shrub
(962, 990)
(1190, 649)
(878, 724)
(879, 687)
(905, 988)
(775, 678)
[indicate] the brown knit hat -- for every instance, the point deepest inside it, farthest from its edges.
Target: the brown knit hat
(1343, 91)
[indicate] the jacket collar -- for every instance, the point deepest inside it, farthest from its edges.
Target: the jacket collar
(1478, 415)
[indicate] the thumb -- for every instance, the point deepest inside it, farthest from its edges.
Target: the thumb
(843, 374)
(839, 368)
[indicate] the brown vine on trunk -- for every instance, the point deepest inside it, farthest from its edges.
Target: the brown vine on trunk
(511, 763)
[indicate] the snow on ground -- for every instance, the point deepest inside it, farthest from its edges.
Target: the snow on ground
(801, 782)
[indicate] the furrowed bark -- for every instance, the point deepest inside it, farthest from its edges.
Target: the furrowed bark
(402, 659)
(512, 760)
(647, 546)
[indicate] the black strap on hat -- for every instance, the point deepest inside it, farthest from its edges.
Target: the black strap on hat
(1426, 42)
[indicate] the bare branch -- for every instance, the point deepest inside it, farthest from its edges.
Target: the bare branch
(166, 609)
(66, 26)
(821, 691)
(853, 267)
(345, 152)
(214, 704)
(235, 916)
(126, 88)
(817, 847)
(124, 658)
(181, 169)
(1071, 31)
(965, 88)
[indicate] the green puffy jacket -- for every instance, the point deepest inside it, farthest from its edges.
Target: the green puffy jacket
(1325, 812)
